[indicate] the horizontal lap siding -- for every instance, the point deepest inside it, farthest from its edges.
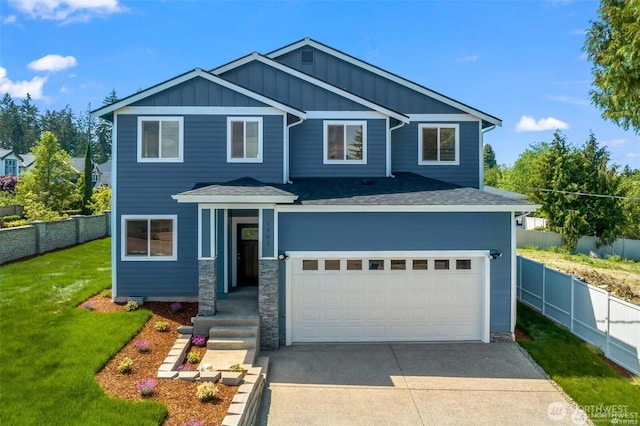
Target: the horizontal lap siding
(288, 89)
(409, 231)
(404, 155)
(306, 152)
(146, 189)
(366, 84)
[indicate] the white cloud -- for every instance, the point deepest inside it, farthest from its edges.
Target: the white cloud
(11, 19)
(633, 155)
(469, 58)
(529, 124)
(617, 143)
(53, 63)
(67, 10)
(20, 89)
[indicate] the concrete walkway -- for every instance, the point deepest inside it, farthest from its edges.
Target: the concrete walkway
(409, 384)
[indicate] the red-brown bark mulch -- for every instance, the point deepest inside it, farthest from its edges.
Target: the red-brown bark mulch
(178, 395)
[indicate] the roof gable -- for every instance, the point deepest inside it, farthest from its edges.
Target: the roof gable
(488, 120)
(107, 111)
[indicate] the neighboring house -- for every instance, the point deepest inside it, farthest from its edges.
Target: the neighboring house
(28, 160)
(349, 195)
(9, 162)
(77, 164)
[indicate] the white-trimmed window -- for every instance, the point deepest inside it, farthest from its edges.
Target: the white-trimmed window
(244, 139)
(160, 139)
(345, 142)
(149, 237)
(439, 144)
(11, 167)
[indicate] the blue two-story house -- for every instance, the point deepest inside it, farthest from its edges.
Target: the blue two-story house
(350, 196)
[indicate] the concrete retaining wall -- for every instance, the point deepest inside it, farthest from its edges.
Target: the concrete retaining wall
(41, 237)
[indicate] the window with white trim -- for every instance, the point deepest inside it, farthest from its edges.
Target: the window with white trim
(345, 142)
(439, 144)
(160, 139)
(11, 167)
(151, 237)
(244, 139)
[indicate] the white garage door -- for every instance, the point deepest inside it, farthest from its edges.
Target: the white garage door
(375, 298)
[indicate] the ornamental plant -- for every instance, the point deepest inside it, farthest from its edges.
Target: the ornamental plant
(175, 307)
(146, 386)
(131, 305)
(199, 340)
(126, 365)
(236, 368)
(88, 305)
(193, 357)
(193, 422)
(184, 367)
(207, 391)
(161, 325)
(143, 345)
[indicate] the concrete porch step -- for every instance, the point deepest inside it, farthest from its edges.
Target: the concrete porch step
(233, 331)
(222, 360)
(247, 342)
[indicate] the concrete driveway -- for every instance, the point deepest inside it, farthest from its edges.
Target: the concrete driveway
(409, 384)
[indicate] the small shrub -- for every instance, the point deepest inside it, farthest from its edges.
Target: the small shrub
(16, 223)
(11, 218)
(193, 357)
(146, 386)
(635, 380)
(184, 367)
(88, 305)
(131, 305)
(175, 307)
(206, 367)
(236, 368)
(199, 340)
(193, 422)
(126, 365)
(161, 326)
(106, 294)
(143, 345)
(207, 391)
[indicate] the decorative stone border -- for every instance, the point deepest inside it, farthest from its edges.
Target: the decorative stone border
(245, 404)
(169, 367)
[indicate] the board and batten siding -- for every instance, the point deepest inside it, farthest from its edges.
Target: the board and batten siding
(146, 189)
(306, 144)
(388, 231)
(288, 89)
(199, 92)
(404, 155)
(365, 83)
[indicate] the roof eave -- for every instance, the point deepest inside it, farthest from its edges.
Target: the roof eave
(234, 199)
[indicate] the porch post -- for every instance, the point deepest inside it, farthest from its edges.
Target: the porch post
(268, 303)
(207, 287)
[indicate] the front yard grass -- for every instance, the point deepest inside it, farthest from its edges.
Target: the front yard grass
(576, 366)
(50, 350)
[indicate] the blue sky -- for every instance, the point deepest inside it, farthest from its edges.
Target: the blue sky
(518, 60)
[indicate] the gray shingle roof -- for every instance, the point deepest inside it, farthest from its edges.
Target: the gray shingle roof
(404, 189)
(240, 187)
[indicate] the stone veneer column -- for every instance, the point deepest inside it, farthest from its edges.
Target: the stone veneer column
(268, 303)
(207, 287)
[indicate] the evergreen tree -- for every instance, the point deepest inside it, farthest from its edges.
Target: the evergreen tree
(87, 184)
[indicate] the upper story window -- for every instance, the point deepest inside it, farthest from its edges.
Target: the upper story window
(439, 144)
(244, 139)
(11, 167)
(345, 142)
(150, 237)
(160, 139)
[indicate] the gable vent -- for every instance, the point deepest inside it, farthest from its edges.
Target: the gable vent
(306, 56)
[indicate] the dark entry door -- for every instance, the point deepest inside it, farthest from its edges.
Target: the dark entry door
(247, 239)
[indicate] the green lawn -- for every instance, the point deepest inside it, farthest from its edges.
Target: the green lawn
(577, 368)
(50, 350)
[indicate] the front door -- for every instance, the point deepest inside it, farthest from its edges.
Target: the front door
(247, 256)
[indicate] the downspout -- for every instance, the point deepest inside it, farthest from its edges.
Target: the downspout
(482, 132)
(286, 150)
(402, 123)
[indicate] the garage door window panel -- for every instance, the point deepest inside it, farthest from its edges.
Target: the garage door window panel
(441, 264)
(332, 265)
(310, 265)
(376, 265)
(463, 264)
(398, 264)
(420, 264)
(354, 265)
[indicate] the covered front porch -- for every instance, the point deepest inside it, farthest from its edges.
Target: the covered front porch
(237, 252)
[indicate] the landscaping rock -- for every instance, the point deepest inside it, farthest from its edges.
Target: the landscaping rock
(231, 378)
(185, 329)
(209, 376)
(167, 374)
(190, 376)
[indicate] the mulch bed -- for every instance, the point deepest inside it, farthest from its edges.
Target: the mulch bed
(177, 395)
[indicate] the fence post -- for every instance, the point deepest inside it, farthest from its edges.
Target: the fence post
(607, 323)
(519, 266)
(544, 284)
(571, 314)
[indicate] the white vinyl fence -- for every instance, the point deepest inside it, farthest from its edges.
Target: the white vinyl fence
(590, 313)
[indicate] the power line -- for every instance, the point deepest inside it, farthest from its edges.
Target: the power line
(584, 194)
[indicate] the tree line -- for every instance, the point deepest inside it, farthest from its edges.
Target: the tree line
(579, 190)
(22, 124)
